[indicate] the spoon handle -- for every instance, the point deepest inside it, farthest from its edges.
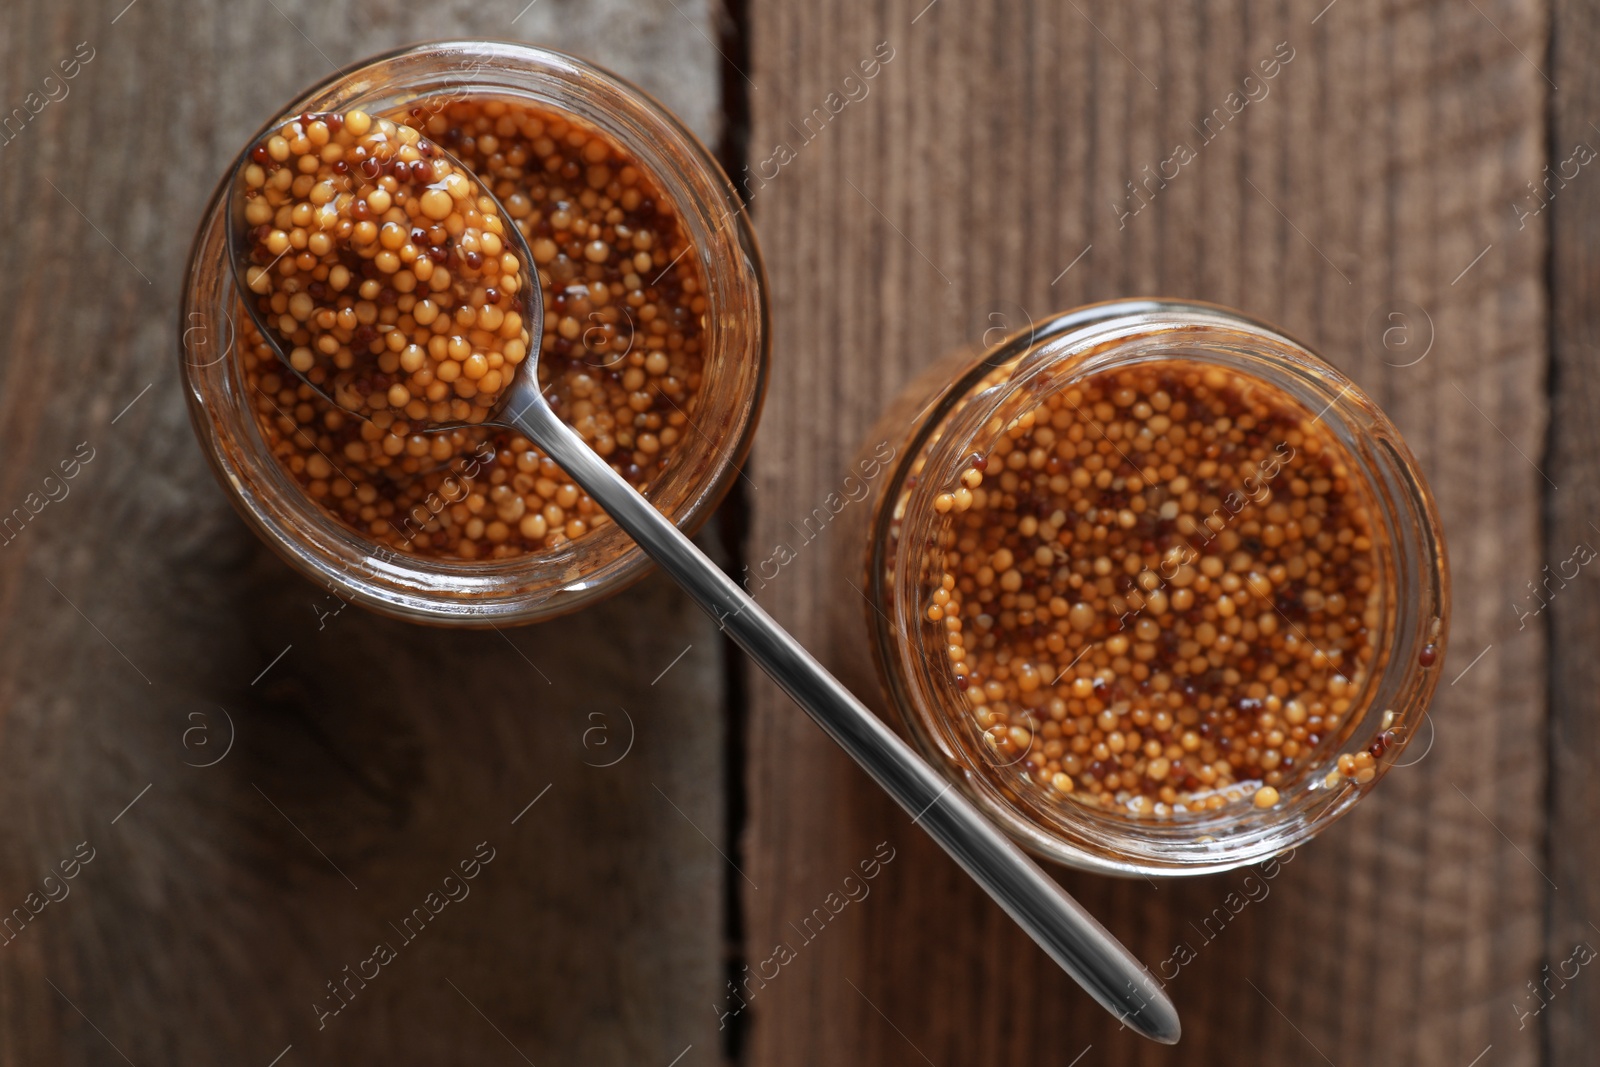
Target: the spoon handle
(1060, 925)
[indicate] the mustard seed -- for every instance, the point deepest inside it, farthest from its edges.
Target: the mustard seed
(642, 307)
(1157, 591)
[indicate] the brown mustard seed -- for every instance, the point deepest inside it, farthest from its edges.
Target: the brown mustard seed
(622, 355)
(1156, 593)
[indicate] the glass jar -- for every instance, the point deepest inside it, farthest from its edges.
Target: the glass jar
(957, 412)
(602, 561)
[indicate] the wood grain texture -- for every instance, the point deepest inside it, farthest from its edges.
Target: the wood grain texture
(372, 757)
(991, 153)
(1573, 516)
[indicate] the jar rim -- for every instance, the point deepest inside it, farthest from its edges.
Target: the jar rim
(1065, 348)
(531, 586)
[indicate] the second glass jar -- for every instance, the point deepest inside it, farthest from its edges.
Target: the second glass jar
(941, 587)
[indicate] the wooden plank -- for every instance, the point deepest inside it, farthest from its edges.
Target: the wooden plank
(990, 154)
(368, 758)
(1572, 618)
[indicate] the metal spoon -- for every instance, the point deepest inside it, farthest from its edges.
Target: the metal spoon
(1061, 926)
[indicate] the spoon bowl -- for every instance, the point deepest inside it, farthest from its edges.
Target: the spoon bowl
(250, 258)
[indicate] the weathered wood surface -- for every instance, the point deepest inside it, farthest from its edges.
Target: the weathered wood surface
(1573, 517)
(372, 754)
(981, 181)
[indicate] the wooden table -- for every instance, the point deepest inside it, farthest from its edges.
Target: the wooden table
(996, 167)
